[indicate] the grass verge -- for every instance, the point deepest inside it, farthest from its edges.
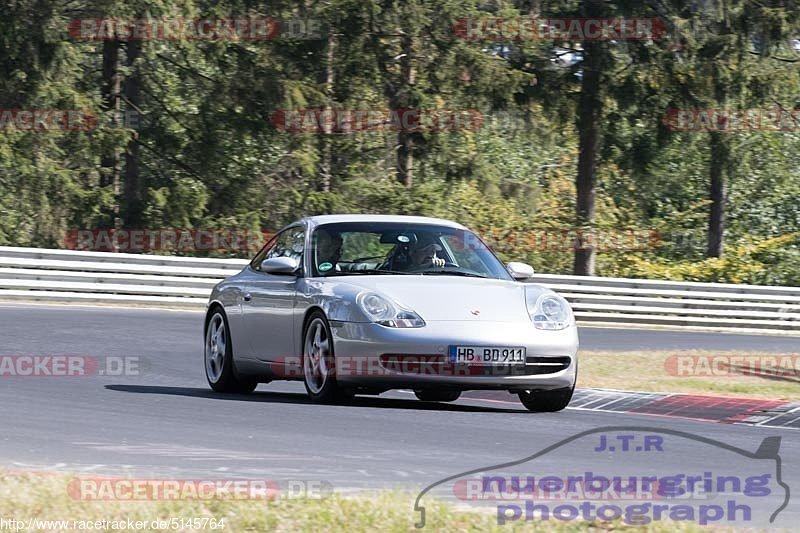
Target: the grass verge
(45, 497)
(693, 371)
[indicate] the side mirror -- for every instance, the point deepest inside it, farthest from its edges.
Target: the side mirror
(520, 271)
(279, 265)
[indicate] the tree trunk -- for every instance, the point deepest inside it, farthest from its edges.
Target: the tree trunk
(134, 188)
(719, 163)
(325, 139)
(405, 158)
(589, 112)
(405, 141)
(110, 91)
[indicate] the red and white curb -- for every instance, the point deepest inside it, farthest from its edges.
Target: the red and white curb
(722, 409)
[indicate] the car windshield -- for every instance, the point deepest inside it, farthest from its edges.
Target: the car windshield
(395, 248)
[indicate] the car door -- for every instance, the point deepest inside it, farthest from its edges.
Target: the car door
(268, 300)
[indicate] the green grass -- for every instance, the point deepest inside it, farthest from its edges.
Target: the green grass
(45, 496)
(645, 371)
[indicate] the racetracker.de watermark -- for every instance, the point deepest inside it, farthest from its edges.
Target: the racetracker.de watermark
(42, 365)
(195, 29)
(732, 120)
(166, 239)
(375, 120)
(48, 120)
(733, 365)
(116, 489)
(561, 239)
(490, 362)
(569, 29)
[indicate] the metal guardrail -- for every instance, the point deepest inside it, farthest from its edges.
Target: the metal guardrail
(101, 277)
(34, 274)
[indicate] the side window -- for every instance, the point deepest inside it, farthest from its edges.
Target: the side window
(255, 264)
(288, 243)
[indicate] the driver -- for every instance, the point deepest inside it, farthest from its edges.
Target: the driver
(422, 254)
(328, 250)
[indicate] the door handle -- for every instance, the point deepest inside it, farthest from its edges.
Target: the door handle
(247, 297)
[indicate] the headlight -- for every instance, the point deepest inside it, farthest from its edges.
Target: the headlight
(548, 310)
(387, 313)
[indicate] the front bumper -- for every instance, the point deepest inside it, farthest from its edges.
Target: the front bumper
(362, 350)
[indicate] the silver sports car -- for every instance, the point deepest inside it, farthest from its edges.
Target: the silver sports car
(360, 304)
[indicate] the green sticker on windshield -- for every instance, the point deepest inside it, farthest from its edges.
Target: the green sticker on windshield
(324, 267)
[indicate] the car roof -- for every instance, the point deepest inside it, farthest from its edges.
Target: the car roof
(405, 219)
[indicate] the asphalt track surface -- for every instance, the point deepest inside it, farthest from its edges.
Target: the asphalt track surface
(166, 423)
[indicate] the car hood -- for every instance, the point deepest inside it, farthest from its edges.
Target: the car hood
(438, 298)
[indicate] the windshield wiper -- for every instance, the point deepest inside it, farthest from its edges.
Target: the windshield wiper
(452, 273)
(371, 271)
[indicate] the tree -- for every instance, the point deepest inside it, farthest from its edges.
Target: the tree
(590, 109)
(728, 50)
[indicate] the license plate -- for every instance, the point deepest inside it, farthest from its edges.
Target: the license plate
(486, 355)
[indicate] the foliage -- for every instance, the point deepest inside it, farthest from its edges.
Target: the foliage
(204, 151)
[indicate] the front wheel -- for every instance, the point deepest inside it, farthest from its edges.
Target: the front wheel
(546, 401)
(437, 395)
(218, 357)
(319, 364)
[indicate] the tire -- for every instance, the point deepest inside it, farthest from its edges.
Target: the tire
(218, 357)
(547, 401)
(437, 395)
(319, 361)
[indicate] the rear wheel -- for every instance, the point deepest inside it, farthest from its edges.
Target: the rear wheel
(437, 395)
(547, 401)
(319, 363)
(220, 372)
